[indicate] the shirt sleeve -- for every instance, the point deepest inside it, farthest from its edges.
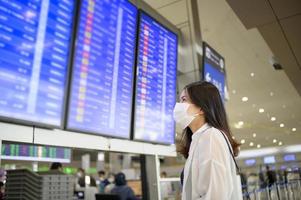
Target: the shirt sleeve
(213, 177)
(212, 182)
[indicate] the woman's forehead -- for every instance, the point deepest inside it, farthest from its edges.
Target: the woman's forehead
(183, 93)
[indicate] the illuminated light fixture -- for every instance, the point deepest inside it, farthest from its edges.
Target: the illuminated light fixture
(271, 94)
(242, 141)
(294, 129)
(251, 144)
(280, 143)
(258, 146)
(273, 118)
(239, 124)
(261, 110)
(254, 135)
(252, 74)
(281, 125)
(245, 99)
(274, 141)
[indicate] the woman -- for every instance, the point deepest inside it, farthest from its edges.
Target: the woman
(210, 170)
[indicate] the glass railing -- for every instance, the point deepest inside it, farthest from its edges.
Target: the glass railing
(279, 191)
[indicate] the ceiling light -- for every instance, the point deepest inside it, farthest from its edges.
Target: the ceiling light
(234, 91)
(261, 110)
(242, 141)
(280, 143)
(244, 99)
(240, 123)
(273, 118)
(251, 144)
(233, 137)
(271, 94)
(252, 74)
(294, 129)
(258, 146)
(281, 125)
(274, 141)
(254, 135)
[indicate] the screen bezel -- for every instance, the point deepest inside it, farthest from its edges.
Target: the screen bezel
(141, 12)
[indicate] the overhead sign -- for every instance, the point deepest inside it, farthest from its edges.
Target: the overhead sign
(214, 69)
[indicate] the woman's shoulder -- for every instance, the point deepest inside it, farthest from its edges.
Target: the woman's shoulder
(213, 137)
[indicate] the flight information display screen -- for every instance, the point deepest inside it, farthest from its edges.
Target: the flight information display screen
(156, 82)
(103, 69)
(35, 36)
(35, 153)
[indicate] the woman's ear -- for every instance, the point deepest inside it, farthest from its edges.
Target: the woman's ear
(201, 112)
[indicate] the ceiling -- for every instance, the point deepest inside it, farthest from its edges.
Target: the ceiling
(246, 51)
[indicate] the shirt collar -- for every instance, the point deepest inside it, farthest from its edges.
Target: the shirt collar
(199, 132)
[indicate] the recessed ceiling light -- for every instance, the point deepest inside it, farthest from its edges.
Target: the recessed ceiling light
(252, 74)
(233, 137)
(281, 125)
(294, 129)
(234, 91)
(274, 141)
(240, 123)
(251, 144)
(254, 135)
(271, 94)
(261, 110)
(273, 118)
(280, 143)
(258, 146)
(244, 99)
(242, 141)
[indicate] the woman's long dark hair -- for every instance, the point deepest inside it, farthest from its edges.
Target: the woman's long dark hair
(206, 96)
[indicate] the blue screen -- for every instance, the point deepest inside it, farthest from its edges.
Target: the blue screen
(156, 82)
(289, 157)
(216, 77)
(34, 48)
(250, 162)
(269, 160)
(102, 80)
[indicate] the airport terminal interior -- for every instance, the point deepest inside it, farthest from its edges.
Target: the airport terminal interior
(88, 89)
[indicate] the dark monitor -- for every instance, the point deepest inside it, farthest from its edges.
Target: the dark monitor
(107, 197)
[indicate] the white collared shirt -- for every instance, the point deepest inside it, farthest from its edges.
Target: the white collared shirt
(210, 172)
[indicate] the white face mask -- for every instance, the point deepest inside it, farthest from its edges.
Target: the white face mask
(182, 118)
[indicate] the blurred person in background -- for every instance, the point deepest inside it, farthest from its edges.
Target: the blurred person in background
(271, 176)
(102, 181)
(80, 178)
(56, 167)
(166, 188)
(111, 185)
(121, 188)
(252, 182)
